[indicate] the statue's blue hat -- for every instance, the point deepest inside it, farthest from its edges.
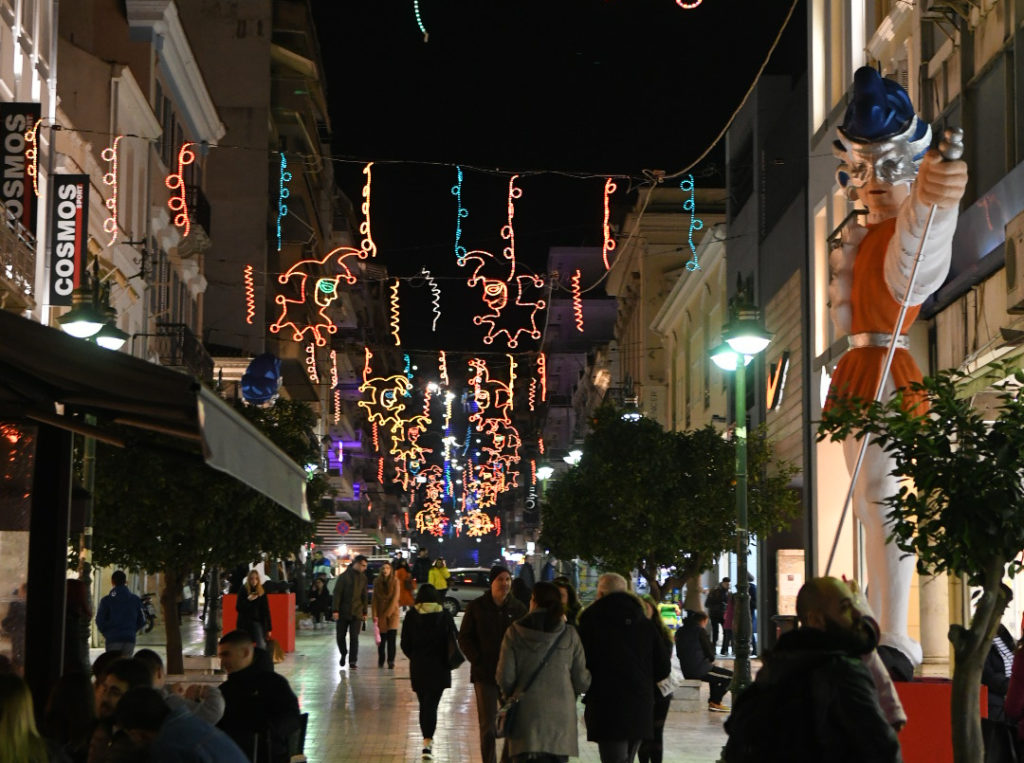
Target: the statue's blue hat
(262, 379)
(880, 109)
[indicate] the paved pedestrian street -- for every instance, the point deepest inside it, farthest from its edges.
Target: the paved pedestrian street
(370, 714)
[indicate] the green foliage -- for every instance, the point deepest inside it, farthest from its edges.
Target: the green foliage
(160, 508)
(964, 512)
(642, 497)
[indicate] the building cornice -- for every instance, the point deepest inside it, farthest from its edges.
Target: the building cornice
(710, 250)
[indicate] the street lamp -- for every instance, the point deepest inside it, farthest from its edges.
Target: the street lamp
(743, 338)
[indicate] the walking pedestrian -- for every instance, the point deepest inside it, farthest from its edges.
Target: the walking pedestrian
(406, 584)
(439, 575)
(119, 616)
(623, 657)
(652, 750)
(541, 650)
(715, 604)
(350, 602)
(483, 628)
(421, 567)
(697, 659)
(730, 613)
(253, 610)
(570, 601)
(385, 613)
(426, 632)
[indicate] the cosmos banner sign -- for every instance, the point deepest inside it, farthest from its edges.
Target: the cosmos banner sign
(16, 191)
(69, 234)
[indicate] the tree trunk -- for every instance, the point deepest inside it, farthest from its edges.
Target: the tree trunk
(650, 573)
(169, 601)
(970, 647)
(694, 601)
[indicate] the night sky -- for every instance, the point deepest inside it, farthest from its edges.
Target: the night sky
(564, 92)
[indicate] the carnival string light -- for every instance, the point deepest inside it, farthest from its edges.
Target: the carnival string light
(508, 231)
(533, 472)
(367, 244)
(334, 386)
(109, 155)
(532, 396)
(435, 301)
(282, 193)
(442, 367)
(376, 438)
(32, 154)
(394, 321)
(311, 370)
(540, 445)
(577, 301)
(462, 213)
(689, 6)
(176, 182)
(408, 372)
(542, 375)
(511, 381)
(250, 294)
(695, 222)
(419, 20)
(367, 357)
(295, 312)
(380, 470)
(609, 243)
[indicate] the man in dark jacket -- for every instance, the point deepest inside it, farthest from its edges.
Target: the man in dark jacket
(483, 628)
(715, 604)
(697, 659)
(624, 660)
(120, 617)
(258, 703)
(421, 567)
(814, 699)
(350, 602)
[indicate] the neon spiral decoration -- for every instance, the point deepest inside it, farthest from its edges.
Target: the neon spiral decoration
(542, 374)
(695, 222)
(394, 314)
(250, 294)
(540, 445)
(460, 250)
(32, 154)
(533, 472)
(367, 357)
(577, 301)
(376, 439)
(176, 182)
(109, 155)
(334, 386)
(609, 242)
(533, 393)
(311, 371)
(282, 194)
(508, 232)
(367, 244)
(435, 301)
(419, 20)
(426, 405)
(442, 367)
(380, 470)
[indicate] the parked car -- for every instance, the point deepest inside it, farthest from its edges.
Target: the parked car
(464, 585)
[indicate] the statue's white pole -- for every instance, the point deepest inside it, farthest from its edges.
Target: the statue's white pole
(951, 148)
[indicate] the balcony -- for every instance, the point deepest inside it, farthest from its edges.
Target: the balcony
(17, 267)
(177, 347)
(198, 239)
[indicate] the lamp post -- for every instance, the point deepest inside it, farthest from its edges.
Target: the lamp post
(743, 339)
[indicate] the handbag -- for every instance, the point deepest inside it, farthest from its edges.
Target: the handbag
(455, 655)
(671, 682)
(376, 632)
(505, 721)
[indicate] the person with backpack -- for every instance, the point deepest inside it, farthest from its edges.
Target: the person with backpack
(814, 699)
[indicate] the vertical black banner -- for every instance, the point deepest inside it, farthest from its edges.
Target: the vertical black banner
(16, 191)
(69, 234)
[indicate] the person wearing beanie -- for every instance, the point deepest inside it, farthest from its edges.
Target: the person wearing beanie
(483, 628)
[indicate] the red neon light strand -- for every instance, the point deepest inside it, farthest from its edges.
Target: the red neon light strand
(250, 294)
(176, 182)
(609, 242)
(542, 374)
(577, 301)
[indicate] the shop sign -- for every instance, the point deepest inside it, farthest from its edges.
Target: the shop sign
(69, 235)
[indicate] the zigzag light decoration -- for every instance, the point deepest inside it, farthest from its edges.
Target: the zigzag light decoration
(460, 250)
(577, 301)
(542, 374)
(609, 243)
(295, 312)
(394, 313)
(695, 222)
(250, 294)
(32, 154)
(540, 445)
(334, 386)
(311, 370)
(367, 245)
(436, 297)
(109, 155)
(442, 367)
(176, 182)
(533, 394)
(376, 438)
(380, 470)
(282, 194)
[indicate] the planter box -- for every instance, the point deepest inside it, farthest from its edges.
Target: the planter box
(928, 735)
(282, 617)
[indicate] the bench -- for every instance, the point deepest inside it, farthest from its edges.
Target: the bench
(686, 697)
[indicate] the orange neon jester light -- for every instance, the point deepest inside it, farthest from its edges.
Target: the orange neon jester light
(609, 242)
(109, 155)
(394, 321)
(324, 290)
(542, 375)
(176, 182)
(32, 154)
(367, 244)
(250, 294)
(577, 301)
(311, 370)
(477, 523)
(385, 403)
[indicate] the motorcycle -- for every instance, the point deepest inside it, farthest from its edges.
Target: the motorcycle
(149, 611)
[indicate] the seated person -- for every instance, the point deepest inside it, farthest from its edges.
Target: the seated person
(203, 700)
(319, 601)
(697, 659)
(109, 742)
(257, 701)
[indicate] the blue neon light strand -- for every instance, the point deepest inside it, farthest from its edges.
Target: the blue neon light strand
(419, 20)
(460, 250)
(283, 194)
(695, 222)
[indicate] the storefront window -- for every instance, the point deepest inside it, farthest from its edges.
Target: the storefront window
(17, 456)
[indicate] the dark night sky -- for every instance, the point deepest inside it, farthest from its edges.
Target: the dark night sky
(540, 87)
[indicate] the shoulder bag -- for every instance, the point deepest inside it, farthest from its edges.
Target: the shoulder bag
(455, 655)
(506, 718)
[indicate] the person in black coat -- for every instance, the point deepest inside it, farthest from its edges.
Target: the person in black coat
(652, 750)
(426, 631)
(253, 610)
(319, 601)
(624, 660)
(697, 658)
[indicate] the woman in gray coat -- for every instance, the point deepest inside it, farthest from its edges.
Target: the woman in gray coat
(545, 726)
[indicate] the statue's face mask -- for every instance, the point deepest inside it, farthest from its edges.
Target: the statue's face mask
(891, 160)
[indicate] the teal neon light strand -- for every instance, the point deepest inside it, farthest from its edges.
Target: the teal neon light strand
(419, 20)
(695, 222)
(460, 250)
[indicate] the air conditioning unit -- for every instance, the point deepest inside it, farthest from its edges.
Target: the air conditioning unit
(1014, 251)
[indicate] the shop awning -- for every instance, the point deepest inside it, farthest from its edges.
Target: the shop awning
(48, 376)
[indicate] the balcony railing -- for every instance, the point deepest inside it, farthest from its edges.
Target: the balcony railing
(198, 207)
(177, 347)
(17, 265)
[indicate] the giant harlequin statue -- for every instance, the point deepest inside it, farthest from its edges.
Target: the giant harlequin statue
(887, 167)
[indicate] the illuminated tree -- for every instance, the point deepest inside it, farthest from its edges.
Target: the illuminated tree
(162, 509)
(644, 499)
